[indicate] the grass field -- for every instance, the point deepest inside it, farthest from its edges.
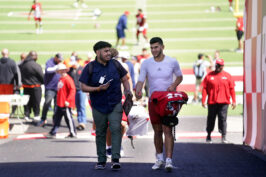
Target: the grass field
(187, 28)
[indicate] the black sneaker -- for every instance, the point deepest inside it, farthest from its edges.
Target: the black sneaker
(208, 139)
(115, 165)
(71, 136)
(80, 127)
(51, 135)
(100, 166)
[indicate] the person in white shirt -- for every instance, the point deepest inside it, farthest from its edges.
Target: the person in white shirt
(160, 71)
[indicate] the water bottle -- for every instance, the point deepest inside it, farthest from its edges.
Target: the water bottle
(21, 91)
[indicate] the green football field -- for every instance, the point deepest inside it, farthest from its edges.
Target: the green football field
(187, 27)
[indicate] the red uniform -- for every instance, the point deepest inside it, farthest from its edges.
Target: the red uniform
(219, 87)
(37, 7)
(240, 24)
(141, 22)
(66, 92)
(164, 103)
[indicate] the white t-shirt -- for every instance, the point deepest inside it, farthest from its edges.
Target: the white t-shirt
(160, 74)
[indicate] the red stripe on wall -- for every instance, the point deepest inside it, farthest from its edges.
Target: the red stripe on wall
(253, 63)
(249, 117)
(258, 143)
(248, 19)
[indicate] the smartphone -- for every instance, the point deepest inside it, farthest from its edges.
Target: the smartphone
(108, 81)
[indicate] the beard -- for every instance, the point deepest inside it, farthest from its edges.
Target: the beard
(159, 53)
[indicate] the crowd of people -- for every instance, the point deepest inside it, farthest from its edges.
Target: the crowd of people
(106, 78)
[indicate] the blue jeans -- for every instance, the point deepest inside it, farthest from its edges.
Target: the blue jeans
(81, 106)
(49, 96)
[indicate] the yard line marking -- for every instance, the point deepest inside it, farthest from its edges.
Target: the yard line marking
(50, 31)
(114, 21)
(167, 40)
(71, 1)
(155, 13)
(85, 52)
(128, 6)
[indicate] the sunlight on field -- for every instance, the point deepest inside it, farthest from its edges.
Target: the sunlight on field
(187, 27)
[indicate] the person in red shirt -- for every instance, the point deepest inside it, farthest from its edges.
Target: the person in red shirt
(219, 86)
(141, 25)
(239, 33)
(231, 5)
(37, 8)
(65, 102)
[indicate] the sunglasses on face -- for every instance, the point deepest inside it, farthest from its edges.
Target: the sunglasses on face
(217, 65)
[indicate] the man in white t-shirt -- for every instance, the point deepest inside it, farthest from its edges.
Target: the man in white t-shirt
(159, 71)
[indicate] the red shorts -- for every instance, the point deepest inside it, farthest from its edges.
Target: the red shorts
(38, 19)
(144, 32)
(155, 118)
(230, 0)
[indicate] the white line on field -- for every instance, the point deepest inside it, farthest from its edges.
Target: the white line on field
(167, 40)
(71, 1)
(117, 13)
(102, 5)
(229, 28)
(130, 21)
(167, 51)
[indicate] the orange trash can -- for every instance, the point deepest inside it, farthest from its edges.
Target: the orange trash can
(4, 117)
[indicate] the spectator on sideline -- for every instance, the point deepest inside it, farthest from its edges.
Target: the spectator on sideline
(37, 8)
(51, 79)
(104, 87)
(80, 97)
(23, 56)
(159, 71)
(144, 55)
(239, 33)
(120, 29)
(65, 102)
(213, 60)
(200, 70)
(141, 25)
(218, 85)
(8, 73)
(17, 88)
(89, 58)
(125, 56)
(32, 79)
(231, 5)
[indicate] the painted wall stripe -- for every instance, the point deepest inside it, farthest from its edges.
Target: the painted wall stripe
(248, 86)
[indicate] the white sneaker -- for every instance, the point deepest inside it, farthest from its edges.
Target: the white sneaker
(122, 153)
(37, 118)
(27, 119)
(168, 165)
(158, 164)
